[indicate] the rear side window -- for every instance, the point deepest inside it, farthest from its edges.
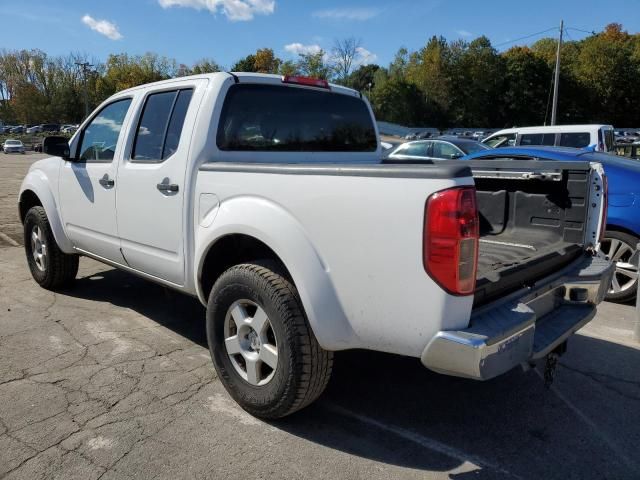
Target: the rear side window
(160, 125)
(575, 139)
(538, 139)
(290, 119)
(415, 149)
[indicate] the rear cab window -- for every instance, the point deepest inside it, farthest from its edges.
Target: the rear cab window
(274, 118)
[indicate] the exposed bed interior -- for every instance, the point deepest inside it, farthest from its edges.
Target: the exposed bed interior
(528, 227)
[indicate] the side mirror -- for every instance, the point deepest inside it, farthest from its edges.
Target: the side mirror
(453, 156)
(56, 146)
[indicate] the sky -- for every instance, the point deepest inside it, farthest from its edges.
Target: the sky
(227, 30)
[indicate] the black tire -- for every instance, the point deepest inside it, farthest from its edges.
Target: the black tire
(303, 367)
(60, 268)
(629, 243)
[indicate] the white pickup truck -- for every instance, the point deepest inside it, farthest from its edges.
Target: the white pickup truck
(267, 199)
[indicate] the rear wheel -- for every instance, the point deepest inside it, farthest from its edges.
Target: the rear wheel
(50, 267)
(262, 346)
(620, 248)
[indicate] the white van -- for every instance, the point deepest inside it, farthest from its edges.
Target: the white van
(576, 136)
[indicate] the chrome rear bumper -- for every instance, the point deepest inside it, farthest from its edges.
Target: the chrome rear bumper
(524, 326)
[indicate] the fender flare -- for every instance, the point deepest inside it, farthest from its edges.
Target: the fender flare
(38, 183)
(279, 230)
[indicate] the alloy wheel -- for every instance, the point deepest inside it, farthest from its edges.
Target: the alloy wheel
(626, 273)
(250, 342)
(39, 248)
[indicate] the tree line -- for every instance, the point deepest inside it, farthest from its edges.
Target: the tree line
(443, 84)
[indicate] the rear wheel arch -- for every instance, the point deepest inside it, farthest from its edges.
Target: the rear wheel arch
(231, 250)
(620, 228)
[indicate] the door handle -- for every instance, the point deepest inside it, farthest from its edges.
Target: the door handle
(106, 182)
(168, 187)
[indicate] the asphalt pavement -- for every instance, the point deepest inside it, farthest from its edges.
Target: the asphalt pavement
(112, 379)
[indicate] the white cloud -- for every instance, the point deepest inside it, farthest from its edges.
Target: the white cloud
(103, 27)
(464, 33)
(234, 10)
(355, 13)
(298, 48)
(364, 56)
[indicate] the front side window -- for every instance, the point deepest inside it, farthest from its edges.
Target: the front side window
(445, 150)
(473, 147)
(100, 137)
(575, 139)
(160, 125)
(273, 118)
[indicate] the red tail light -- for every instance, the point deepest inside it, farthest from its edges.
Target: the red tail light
(308, 81)
(450, 243)
(605, 207)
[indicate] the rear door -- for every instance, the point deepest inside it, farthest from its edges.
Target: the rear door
(151, 183)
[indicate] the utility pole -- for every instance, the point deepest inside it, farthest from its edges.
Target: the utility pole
(554, 107)
(85, 66)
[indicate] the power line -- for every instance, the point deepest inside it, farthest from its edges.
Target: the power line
(566, 32)
(592, 32)
(525, 37)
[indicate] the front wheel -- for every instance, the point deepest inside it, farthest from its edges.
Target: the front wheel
(620, 248)
(50, 267)
(262, 346)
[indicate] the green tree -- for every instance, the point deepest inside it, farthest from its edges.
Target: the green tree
(363, 77)
(205, 65)
(262, 61)
(314, 65)
(525, 95)
(288, 67)
(606, 68)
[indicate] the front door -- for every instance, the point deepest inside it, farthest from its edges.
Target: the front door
(87, 188)
(151, 186)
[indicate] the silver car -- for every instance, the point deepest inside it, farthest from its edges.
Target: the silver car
(13, 146)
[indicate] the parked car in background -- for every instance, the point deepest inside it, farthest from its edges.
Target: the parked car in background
(34, 129)
(50, 127)
(439, 148)
(68, 128)
(478, 136)
(12, 146)
(622, 136)
(628, 150)
(18, 129)
(623, 219)
(574, 136)
(6, 128)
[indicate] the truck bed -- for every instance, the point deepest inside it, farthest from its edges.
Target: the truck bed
(533, 220)
(498, 255)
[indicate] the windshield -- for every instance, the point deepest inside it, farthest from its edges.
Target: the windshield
(13, 142)
(289, 119)
(472, 147)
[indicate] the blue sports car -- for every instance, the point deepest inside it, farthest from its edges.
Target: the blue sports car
(623, 218)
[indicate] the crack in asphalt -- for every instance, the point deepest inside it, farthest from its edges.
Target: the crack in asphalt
(605, 380)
